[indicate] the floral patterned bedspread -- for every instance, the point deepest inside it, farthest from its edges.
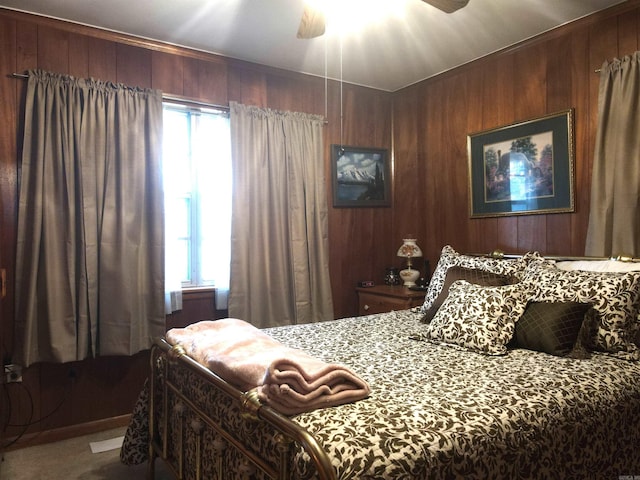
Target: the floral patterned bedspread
(438, 411)
(441, 412)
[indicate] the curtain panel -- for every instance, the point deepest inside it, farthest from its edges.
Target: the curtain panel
(614, 218)
(279, 230)
(90, 240)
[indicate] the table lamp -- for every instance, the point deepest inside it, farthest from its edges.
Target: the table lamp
(408, 250)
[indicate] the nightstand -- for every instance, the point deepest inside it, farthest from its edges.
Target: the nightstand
(385, 298)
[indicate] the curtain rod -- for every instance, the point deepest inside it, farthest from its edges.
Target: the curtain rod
(598, 70)
(178, 98)
(168, 98)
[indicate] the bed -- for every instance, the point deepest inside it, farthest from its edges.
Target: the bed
(520, 367)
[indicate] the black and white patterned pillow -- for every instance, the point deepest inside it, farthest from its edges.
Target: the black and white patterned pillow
(615, 299)
(471, 275)
(449, 258)
(478, 318)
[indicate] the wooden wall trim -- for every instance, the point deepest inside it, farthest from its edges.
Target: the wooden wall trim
(149, 44)
(557, 32)
(575, 25)
(109, 35)
(64, 433)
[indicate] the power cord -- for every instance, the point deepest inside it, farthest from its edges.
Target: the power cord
(10, 411)
(30, 422)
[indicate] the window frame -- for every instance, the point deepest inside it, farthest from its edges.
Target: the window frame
(193, 198)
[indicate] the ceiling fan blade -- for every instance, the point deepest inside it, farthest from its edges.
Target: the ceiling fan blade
(312, 23)
(448, 6)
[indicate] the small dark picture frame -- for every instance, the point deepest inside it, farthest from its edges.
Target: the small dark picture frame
(523, 169)
(361, 177)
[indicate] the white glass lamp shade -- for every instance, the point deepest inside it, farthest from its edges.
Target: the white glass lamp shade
(408, 250)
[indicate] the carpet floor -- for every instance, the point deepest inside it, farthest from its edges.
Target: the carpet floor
(73, 459)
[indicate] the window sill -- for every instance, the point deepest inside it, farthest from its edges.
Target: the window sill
(208, 288)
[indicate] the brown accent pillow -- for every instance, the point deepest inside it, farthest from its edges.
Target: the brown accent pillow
(472, 275)
(550, 327)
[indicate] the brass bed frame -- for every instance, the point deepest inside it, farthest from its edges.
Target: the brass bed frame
(286, 433)
(558, 258)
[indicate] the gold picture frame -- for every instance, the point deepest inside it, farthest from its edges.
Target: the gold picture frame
(523, 169)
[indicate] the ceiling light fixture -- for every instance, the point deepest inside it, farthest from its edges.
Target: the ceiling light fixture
(350, 15)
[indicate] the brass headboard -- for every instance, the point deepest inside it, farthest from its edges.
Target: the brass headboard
(500, 254)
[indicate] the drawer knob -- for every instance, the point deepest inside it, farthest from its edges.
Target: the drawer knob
(366, 307)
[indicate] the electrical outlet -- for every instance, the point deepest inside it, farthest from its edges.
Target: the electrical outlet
(12, 373)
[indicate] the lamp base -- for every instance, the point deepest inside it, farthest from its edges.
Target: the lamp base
(409, 276)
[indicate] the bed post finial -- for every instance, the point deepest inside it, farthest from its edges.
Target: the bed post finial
(176, 352)
(250, 404)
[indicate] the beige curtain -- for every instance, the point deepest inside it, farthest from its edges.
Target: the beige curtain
(90, 254)
(279, 239)
(614, 220)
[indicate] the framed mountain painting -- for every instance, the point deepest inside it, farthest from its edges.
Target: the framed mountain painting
(361, 177)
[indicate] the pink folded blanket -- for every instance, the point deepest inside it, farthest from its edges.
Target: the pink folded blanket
(287, 379)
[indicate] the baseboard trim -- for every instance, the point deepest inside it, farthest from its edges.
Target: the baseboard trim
(64, 433)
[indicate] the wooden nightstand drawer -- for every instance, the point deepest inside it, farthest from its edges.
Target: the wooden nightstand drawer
(385, 298)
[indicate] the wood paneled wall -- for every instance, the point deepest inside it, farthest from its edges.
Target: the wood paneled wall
(424, 127)
(551, 73)
(91, 390)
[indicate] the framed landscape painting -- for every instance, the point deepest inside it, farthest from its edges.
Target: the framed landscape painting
(361, 177)
(523, 169)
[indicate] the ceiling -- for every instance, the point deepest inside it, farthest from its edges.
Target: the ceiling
(386, 54)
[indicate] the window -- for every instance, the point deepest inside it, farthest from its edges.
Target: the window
(197, 182)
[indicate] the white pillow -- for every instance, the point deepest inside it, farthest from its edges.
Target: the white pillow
(598, 265)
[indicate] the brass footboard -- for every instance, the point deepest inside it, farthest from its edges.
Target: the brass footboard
(224, 434)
